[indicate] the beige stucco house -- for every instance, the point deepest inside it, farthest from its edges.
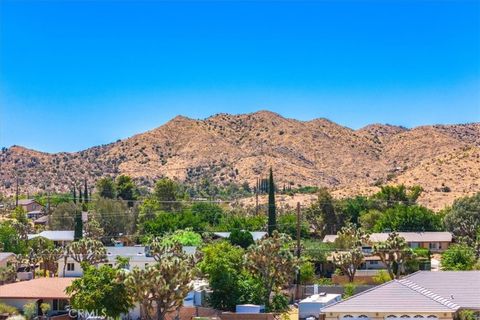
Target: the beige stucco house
(422, 295)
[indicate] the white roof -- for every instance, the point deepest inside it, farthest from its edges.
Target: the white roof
(55, 235)
(321, 298)
(408, 236)
(423, 291)
(257, 235)
(135, 253)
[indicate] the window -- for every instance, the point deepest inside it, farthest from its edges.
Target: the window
(375, 262)
(414, 245)
(433, 245)
(70, 266)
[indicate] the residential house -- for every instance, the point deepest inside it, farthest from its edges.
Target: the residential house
(422, 295)
(35, 214)
(436, 242)
(59, 237)
(30, 205)
(6, 258)
(39, 290)
(137, 254)
(43, 220)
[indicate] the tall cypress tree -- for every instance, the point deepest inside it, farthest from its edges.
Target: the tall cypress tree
(78, 226)
(74, 194)
(80, 194)
(85, 191)
(272, 216)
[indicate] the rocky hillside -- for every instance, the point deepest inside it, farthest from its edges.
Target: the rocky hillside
(444, 159)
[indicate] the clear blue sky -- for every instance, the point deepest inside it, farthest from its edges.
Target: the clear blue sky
(74, 74)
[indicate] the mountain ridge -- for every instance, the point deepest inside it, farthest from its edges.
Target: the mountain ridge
(240, 148)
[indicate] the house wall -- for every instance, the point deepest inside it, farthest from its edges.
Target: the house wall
(4, 262)
(382, 316)
(17, 303)
(78, 272)
(34, 206)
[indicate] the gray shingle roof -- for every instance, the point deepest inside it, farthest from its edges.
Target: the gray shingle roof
(423, 291)
(408, 236)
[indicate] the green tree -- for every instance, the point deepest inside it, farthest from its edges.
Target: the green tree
(241, 238)
(184, 237)
(74, 194)
(20, 214)
(221, 264)
(458, 257)
(368, 219)
(208, 212)
(390, 196)
(78, 226)
(126, 189)
(272, 261)
(352, 208)
(114, 217)
(165, 193)
(272, 215)
(409, 218)
(63, 216)
(85, 191)
(99, 289)
(106, 188)
(463, 219)
(287, 223)
(10, 239)
(307, 271)
(321, 214)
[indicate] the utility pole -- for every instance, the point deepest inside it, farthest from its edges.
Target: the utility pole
(298, 249)
(16, 194)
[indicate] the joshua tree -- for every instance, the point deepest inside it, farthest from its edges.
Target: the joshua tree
(50, 257)
(272, 261)
(394, 252)
(87, 250)
(163, 284)
(350, 239)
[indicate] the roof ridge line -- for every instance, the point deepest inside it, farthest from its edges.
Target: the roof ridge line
(428, 293)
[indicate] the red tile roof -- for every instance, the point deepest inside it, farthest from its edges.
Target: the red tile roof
(39, 288)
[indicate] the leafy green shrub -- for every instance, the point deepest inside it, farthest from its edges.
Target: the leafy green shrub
(349, 289)
(30, 310)
(382, 276)
(458, 257)
(45, 307)
(6, 309)
(279, 303)
(324, 282)
(241, 238)
(307, 271)
(184, 237)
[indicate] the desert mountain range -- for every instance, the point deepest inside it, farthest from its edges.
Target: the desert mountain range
(443, 159)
